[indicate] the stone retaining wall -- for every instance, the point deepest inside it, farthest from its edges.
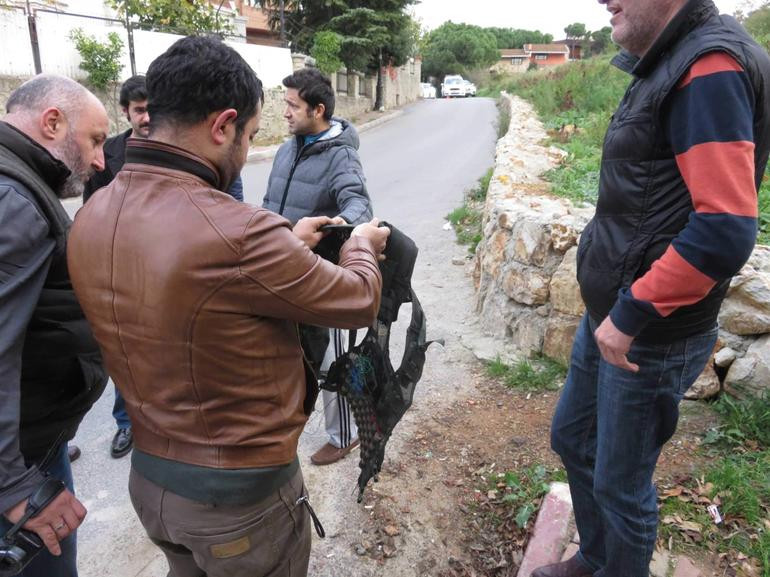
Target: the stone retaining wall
(527, 294)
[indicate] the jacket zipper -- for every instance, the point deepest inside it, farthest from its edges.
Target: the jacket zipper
(291, 175)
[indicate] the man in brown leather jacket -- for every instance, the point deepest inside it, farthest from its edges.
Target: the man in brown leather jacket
(194, 299)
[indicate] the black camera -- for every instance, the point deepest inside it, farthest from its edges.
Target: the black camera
(18, 546)
(18, 551)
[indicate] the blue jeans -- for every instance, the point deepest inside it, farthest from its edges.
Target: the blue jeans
(119, 411)
(45, 564)
(609, 428)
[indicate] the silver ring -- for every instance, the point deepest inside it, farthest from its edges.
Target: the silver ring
(60, 526)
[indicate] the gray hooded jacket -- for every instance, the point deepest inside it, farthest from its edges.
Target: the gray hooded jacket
(324, 178)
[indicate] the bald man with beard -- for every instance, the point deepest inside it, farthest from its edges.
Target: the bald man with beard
(50, 366)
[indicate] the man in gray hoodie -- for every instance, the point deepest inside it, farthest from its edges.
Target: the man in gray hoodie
(319, 173)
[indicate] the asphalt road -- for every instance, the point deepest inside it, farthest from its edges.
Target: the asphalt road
(417, 167)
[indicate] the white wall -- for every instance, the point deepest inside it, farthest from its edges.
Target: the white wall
(15, 48)
(59, 56)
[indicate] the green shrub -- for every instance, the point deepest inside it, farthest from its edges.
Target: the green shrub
(101, 60)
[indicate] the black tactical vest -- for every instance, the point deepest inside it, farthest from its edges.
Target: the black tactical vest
(643, 201)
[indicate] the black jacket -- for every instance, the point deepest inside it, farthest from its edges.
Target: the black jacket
(643, 200)
(61, 366)
(50, 365)
(114, 158)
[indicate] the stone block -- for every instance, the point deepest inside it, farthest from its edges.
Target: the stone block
(559, 335)
(565, 232)
(725, 357)
(660, 563)
(749, 376)
(493, 255)
(686, 568)
(551, 533)
(706, 386)
(526, 330)
(530, 243)
(526, 285)
(746, 310)
(564, 289)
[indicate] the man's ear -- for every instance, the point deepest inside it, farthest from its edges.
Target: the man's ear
(222, 123)
(53, 124)
(319, 110)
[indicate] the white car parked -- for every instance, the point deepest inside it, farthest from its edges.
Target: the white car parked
(427, 90)
(453, 86)
(470, 88)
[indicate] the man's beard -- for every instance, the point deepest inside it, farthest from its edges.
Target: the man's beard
(69, 154)
(232, 167)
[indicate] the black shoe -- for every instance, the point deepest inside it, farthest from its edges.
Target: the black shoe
(122, 443)
(572, 567)
(73, 452)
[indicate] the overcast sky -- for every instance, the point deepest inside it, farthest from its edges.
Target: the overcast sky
(545, 15)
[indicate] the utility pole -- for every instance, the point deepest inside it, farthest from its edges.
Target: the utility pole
(33, 39)
(131, 53)
(283, 23)
(378, 99)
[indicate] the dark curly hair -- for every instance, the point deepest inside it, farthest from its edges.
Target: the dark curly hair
(314, 88)
(196, 76)
(133, 90)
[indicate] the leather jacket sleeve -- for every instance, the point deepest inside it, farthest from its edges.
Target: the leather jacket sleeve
(287, 280)
(25, 250)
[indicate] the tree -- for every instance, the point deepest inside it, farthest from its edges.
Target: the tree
(101, 60)
(516, 37)
(179, 16)
(601, 40)
(326, 51)
(757, 23)
(372, 32)
(457, 48)
(576, 31)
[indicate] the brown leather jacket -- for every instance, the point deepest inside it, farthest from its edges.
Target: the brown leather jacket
(194, 299)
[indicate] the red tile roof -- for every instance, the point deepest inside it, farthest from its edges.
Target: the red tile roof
(511, 52)
(547, 48)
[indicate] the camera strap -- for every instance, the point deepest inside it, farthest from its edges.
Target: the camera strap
(39, 500)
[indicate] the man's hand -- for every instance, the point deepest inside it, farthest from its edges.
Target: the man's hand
(378, 235)
(614, 345)
(60, 518)
(308, 229)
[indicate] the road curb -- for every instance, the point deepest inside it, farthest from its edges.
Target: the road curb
(269, 152)
(551, 533)
(551, 543)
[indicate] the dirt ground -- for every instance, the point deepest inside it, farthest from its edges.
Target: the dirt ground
(435, 485)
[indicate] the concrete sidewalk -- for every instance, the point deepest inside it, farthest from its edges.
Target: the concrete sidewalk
(554, 540)
(268, 152)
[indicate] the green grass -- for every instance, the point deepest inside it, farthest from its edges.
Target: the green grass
(466, 219)
(740, 485)
(538, 373)
(503, 117)
(520, 492)
(764, 212)
(738, 481)
(742, 422)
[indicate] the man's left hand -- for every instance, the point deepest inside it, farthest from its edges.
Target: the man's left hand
(309, 231)
(614, 345)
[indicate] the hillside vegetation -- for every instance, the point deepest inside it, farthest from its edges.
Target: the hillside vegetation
(575, 102)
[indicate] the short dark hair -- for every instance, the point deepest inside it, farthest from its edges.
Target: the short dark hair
(314, 88)
(133, 90)
(196, 76)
